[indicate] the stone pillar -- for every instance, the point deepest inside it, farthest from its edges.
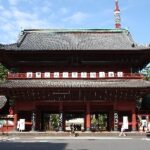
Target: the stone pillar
(133, 121)
(88, 117)
(33, 118)
(116, 120)
(61, 117)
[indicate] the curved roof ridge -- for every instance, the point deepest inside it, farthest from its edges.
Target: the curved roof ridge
(72, 30)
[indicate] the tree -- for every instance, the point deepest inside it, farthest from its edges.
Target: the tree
(146, 72)
(3, 72)
(147, 77)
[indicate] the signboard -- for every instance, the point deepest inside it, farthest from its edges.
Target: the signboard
(119, 74)
(38, 74)
(56, 74)
(92, 74)
(65, 75)
(47, 75)
(29, 74)
(74, 74)
(116, 121)
(102, 74)
(22, 124)
(83, 74)
(111, 74)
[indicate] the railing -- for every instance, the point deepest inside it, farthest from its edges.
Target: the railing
(79, 76)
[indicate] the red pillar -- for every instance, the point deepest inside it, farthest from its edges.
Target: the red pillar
(15, 121)
(133, 121)
(88, 117)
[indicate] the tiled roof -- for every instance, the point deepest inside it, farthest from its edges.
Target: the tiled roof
(76, 83)
(1, 46)
(88, 39)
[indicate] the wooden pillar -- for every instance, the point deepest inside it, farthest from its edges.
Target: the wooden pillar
(64, 121)
(88, 117)
(38, 120)
(111, 121)
(61, 117)
(133, 121)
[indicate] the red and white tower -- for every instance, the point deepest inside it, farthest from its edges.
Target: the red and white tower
(117, 15)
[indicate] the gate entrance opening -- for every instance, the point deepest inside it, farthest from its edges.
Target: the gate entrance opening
(50, 121)
(74, 120)
(99, 122)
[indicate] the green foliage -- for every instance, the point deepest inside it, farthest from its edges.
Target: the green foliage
(3, 72)
(94, 121)
(55, 120)
(147, 77)
(99, 121)
(102, 120)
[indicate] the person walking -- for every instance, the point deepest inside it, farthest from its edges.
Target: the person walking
(122, 131)
(72, 129)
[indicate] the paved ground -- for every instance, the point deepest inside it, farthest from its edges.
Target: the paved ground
(73, 143)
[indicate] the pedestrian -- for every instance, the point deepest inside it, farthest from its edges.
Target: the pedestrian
(72, 129)
(122, 130)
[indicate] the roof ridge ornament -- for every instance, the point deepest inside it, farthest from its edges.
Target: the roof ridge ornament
(117, 15)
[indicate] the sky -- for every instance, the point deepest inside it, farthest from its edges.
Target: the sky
(16, 15)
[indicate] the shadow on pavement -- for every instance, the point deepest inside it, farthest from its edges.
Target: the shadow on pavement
(32, 146)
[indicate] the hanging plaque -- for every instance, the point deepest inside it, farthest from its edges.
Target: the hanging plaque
(29, 74)
(56, 74)
(47, 75)
(92, 74)
(111, 74)
(119, 74)
(65, 75)
(101, 74)
(74, 75)
(83, 74)
(38, 75)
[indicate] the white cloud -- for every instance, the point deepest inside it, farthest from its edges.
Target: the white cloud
(13, 19)
(45, 6)
(1, 8)
(64, 10)
(13, 2)
(77, 18)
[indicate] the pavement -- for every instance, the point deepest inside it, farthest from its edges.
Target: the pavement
(67, 141)
(68, 135)
(44, 139)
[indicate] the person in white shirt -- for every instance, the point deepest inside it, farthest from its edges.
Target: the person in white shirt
(122, 131)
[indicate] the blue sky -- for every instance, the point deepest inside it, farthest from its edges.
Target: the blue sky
(16, 15)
